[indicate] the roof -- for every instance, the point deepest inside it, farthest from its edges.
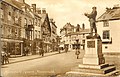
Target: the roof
(110, 14)
(68, 25)
(43, 18)
(85, 31)
(13, 3)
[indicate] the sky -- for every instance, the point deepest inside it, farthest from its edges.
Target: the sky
(65, 11)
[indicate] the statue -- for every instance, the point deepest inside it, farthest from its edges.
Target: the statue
(92, 20)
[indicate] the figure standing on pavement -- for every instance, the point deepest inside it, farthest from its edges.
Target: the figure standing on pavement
(66, 49)
(92, 19)
(4, 57)
(26, 50)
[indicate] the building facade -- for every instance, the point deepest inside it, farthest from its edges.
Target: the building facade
(70, 34)
(108, 28)
(46, 31)
(11, 16)
(25, 26)
(53, 35)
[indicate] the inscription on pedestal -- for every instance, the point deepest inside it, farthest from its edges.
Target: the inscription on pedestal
(91, 44)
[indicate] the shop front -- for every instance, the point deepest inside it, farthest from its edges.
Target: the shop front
(14, 47)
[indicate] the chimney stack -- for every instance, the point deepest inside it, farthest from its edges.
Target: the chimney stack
(83, 26)
(51, 20)
(43, 11)
(34, 7)
(38, 10)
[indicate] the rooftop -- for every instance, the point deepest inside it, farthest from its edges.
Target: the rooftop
(110, 14)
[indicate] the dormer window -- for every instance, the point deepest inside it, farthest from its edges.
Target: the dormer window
(105, 24)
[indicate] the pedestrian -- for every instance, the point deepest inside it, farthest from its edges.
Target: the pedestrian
(77, 52)
(3, 57)
(39, 51)
(66, 49)
(27, 50)
(42, 52)
(6, 58)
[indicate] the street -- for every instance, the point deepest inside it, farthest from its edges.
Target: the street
(43, 67)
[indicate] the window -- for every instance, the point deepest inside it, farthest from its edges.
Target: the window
(83, 35)
(106, 34)
(39, 34)
(35, 33)
(83, 41)
(9, 16)
(2, 14)
(105, 23)
(25, 22)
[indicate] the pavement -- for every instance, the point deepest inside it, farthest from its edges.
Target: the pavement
(30, 57)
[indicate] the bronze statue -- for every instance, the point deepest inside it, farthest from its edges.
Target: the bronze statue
(92, 19)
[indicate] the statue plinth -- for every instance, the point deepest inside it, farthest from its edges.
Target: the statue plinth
(93, 60)
(93, 52)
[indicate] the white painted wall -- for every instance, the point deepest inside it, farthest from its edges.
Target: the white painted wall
(114, 27)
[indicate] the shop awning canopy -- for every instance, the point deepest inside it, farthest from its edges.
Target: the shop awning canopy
(10, 40)
(61, 46)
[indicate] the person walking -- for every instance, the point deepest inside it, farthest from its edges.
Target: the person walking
(6, 58)
(2, 57)
(77, 52)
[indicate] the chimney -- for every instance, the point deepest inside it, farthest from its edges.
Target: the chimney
(38, 10)
(21, 1)
(83, 26)
(34, 7)
(43, 11)
(116, 6)
(51, 20)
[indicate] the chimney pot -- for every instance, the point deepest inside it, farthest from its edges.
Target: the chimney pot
(44, 11)
(83, 26)
(38, 10)
(34, 7)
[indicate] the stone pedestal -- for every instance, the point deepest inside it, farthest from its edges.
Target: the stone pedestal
(93, 52)
(93, 61)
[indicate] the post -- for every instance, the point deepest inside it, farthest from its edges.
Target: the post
(0, 36)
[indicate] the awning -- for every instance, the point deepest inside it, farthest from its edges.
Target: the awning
(10, 40)
(61, 46)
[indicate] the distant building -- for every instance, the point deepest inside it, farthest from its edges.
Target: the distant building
(108, 25)
(70, 34)
(53, 34)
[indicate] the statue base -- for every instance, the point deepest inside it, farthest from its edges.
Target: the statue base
(93, 60)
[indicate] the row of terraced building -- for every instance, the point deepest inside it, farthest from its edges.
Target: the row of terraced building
(24, 25)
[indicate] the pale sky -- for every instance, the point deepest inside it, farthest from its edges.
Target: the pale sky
(63, 11)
